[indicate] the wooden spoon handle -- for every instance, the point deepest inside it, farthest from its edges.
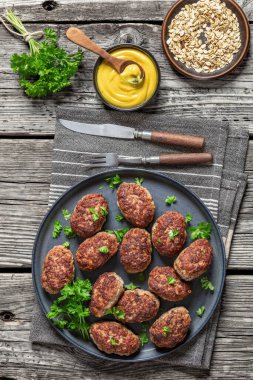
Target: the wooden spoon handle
(177, 139)
(78, 37)
(185, 158)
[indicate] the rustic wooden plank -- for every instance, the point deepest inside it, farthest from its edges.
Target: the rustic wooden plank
(85, 10)
(228, 98)
(24, 186)
(232, 358)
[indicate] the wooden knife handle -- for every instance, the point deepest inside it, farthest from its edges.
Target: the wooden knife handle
(185, 158)
(176, 139)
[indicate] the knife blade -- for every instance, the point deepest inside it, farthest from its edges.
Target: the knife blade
(122, 132)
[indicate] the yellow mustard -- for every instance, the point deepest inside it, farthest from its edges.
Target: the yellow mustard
(116, 88)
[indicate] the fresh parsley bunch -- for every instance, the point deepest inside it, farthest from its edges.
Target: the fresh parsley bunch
(68, 311)
(48, 68)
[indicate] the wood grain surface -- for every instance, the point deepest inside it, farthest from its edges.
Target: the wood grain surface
(26, 143)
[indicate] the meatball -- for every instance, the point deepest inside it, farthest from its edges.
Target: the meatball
(194, 260)
(171, 328)
(135, 250)
(169, 233)
(136, 204)
(58, 269)
(89, 215)
(165, 283)
(138, 305)
(94, 252)
(114, 338)
(105, 293)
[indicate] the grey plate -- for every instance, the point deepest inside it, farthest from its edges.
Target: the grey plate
(159, 186)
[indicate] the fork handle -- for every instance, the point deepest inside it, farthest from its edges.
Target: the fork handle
(180, 159)
(171, 138)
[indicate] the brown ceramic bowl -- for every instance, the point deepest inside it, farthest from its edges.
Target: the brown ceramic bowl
(238, 57)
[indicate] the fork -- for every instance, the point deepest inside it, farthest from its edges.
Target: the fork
(113, 159)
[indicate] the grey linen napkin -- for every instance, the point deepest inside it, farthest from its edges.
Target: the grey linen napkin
(220, 186)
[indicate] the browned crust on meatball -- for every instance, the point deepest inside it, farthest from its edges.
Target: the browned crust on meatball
(58, 269)
(169, 221)
(82, 222)
(178, 321)
(88, 256)
(136, 204)
(135, 250)
(106, 292)
(138, 305)
(158, 284)
(194, 260)
(104, 333)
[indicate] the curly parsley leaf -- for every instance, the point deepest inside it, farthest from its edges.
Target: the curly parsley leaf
(103, 211)
(113, 342)
(172, 234)
(166, 330)
(118, 233)
(131, 286)
(170, 199)
(116, 311)
(103, 249)
(113, 181)
(202, 231)
(188, 218)
(206, 284)
(95, 215)
(139, 181)
(66, 244)
(68, 311)
(171, 280)
(66, 214)
(57, 229)
(143, 336)
(119, 218)
(200, 311)
(69, 232)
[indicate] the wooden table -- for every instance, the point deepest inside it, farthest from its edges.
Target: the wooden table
(27, 132)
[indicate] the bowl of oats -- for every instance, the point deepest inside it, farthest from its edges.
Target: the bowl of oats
(205, 39)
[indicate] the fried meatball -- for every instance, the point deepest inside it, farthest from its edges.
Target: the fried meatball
(89, 215)
(136, 204)
(169, 233)
(105, 293)
(135, 250)
(165, 283)
(194, 260)
(138, 305)
(114, 338)
(171, 328)
(94, 252)
(58, 269)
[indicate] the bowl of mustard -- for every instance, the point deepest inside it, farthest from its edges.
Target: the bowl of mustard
(127, 91)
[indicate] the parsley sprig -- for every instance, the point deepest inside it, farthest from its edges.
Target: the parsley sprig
(131, 286)
(139, 181)
(170, 199)
(66, 214)
(48, 68)
(68, 311)
(202, 231)
(69, 232)
(113, 181)
(188, 217)
(173, 233)
(119, 218)
(206, 284)
(118, 233)
(66, 244)
(200, 311)
(57, 229)
(171, 280)
(166, 330)
(103, 249)
(116, 311)
(143, 336)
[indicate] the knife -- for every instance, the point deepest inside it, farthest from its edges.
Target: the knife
(120, 132)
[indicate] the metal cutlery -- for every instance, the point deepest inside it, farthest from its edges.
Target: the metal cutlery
(113, 159)
(120, 132)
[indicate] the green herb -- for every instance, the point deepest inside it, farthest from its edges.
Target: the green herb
(68, 310)
(158, 240)
(48, 68)
(57, 229)
(66, 214)
(95, 215)
(171, 280)
(69, 232)
(206, 284)
(119, 218)
(101, 187)
(113, 181)
(131, 286)
(172, 234)
(188, 218)
(170, 199)
(200, 311)
(139, 181)
(143, 336)
(113, 342)
(103, 211)
(202, 231)
(141, 277)
(118, 233)
(66, 244)
(116, 311)
(103, 249)
(166, 330)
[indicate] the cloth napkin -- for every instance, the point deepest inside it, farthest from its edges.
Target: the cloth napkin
(220, 185)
